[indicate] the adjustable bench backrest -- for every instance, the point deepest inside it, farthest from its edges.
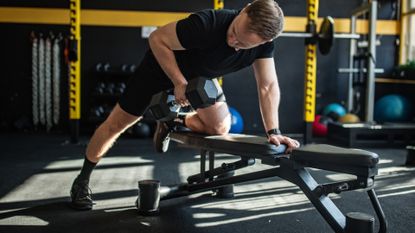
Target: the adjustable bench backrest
(351, 161)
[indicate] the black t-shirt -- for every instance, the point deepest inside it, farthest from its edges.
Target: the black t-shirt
(207, 54)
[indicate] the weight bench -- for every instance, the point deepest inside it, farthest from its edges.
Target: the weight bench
(291, 167)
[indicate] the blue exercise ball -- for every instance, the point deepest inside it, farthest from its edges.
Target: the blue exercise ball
(237, 122)
(334, 110)
(393, 108)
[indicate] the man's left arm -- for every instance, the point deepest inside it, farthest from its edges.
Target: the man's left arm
(269, 100)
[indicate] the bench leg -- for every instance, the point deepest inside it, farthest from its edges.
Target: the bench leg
(410, 156)
(225, 191)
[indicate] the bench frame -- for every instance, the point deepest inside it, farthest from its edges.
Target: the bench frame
(220, 178)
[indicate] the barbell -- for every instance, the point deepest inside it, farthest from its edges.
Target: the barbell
(324, 38)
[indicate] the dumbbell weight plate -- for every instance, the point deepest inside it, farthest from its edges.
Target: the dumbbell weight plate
(326, 35)
(201, 92)
(160, 107)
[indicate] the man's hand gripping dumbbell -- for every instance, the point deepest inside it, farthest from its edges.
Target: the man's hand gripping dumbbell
(200, 93)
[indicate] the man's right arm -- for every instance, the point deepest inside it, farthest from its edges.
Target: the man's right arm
(163, 42)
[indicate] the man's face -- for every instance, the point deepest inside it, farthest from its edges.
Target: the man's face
(238, 35)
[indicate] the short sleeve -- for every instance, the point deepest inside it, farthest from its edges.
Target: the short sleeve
(266, 50)
(193, 31)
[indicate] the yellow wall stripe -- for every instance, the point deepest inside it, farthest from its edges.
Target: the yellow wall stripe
(119, 18)
(34, 15)
(342, 25)
(128, 18)
(89, 17)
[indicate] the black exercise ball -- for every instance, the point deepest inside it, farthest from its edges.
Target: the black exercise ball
(141, 130)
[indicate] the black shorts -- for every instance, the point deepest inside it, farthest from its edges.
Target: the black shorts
(142, 86)
(144, 83)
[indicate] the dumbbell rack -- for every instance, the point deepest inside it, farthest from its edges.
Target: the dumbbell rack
(105, 88)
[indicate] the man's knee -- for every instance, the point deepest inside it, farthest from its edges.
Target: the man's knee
(220, 129)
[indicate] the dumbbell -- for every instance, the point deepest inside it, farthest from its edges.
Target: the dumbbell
(99, 88)
(200, 92)
(109, 88)
(100, 67)
(97, 111)
(129, 68)
(119, 88)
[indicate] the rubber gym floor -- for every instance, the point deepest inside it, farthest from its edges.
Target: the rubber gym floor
(37, 172)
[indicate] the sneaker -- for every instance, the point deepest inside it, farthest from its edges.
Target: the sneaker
(161, 139)
(81, 195)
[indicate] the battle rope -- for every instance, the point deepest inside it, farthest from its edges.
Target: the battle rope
(35, 81)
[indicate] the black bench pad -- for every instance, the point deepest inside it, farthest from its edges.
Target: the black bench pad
(335, 155)
(237, 144)
(257, 147)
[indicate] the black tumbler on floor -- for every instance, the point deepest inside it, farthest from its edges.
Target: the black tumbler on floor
(410, 156)
(148, 197)
(225, 191)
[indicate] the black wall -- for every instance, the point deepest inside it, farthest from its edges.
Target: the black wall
(119, 45)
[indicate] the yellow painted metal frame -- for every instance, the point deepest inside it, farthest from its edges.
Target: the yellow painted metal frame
(75, 66)
(217, 5)
(310, 67)
(402, 37)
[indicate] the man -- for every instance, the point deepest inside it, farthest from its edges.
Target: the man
(208, 43)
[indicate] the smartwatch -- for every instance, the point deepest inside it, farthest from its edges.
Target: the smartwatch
(274, 131)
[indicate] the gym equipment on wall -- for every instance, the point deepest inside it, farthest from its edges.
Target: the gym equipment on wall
(106, 85)
(128, 68)
(369, 59)
(46, 75)
(35, 80)
(41, 63)
(56, 76)
(48, 83)
(325, 37)
(102, 67)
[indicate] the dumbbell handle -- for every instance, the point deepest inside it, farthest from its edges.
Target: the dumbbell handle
(173, 103)
(200, 93)
(178, 109)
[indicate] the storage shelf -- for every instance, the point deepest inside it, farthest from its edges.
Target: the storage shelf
(394, 80)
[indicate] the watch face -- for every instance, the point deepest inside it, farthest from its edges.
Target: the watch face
(274, 131)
